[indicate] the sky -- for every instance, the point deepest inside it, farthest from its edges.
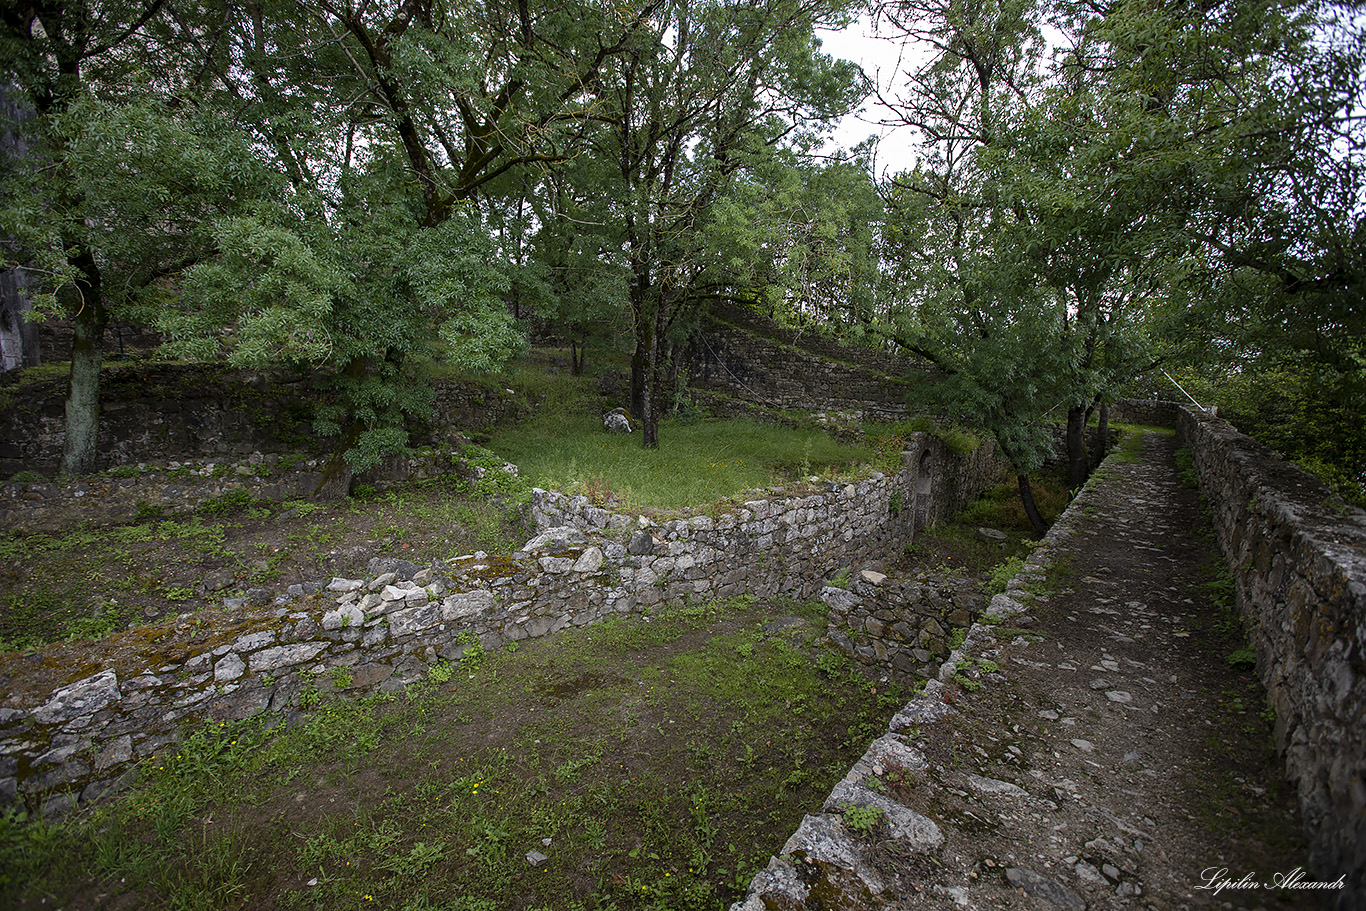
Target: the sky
(879, 59)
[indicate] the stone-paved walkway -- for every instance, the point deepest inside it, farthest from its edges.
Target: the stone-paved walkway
(1095, 747)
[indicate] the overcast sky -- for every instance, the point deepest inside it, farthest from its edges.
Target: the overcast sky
(879, 58)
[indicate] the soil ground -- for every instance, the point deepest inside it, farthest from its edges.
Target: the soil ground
(90, 582)
(1133, 741)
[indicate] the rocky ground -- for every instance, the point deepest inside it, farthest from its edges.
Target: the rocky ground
(1099, 744)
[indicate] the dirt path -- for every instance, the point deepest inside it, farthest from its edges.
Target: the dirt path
(1103, 752)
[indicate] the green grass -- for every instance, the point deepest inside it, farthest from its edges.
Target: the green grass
(696, 463)
(664, 761)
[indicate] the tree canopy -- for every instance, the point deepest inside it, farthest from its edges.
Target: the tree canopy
(354, 187)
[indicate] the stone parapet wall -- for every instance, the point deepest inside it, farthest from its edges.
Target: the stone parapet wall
(827, 863)
(1147, 412)
(1298, 559)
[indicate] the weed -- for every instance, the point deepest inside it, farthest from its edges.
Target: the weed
(570, 770)
(473, 656)
(1244, 658)
(226, 503)
(862, 819)
(1002, 574)
(441, 672)
(341, 678)
(967, 682)
(1185, 469)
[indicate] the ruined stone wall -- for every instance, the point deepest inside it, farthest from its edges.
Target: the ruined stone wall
(783, 369)
(1298, 558)
(135, 492)
(902, 627)
(75, 717)
(160, 412)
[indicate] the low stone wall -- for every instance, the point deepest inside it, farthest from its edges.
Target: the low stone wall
(160, 412)
(1298, 558)
(787, 543)
(826, 863)
(174, 488)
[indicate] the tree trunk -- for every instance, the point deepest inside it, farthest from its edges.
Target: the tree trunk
(80, 444)
(1031, 510)
(1103, 432)
(578, 351)
(18, 334)
(639, 367)
(649, 415)
(1076, 447)
(338, 475)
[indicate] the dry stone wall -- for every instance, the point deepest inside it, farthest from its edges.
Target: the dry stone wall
(900, 627)
(827, 863)
(179, 488)
(1298, 559)
(75, 718)
(161, 412)
(761, 364)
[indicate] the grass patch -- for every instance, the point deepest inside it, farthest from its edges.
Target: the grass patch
(697, 463)
(648, 764)
(85, 582)
(1185, 469)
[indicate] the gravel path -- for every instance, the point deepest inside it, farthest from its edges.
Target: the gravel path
(1095, 748)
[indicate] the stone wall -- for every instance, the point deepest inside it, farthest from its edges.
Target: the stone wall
(74, 717)
(1148, 412)
(159, 412)
(134, 492)
(901, 627)
(827, 864)
(1298, 558)
(784, 369)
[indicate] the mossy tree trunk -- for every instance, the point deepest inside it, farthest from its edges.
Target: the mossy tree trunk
(80, 444)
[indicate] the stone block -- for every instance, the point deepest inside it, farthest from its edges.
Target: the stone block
(272, 659)
(82, 698)
(411, 620)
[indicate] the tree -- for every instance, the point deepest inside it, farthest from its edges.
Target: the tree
(115, 178)
(800, 237)
(1103, 185)
(399, 129)
(707, 93)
